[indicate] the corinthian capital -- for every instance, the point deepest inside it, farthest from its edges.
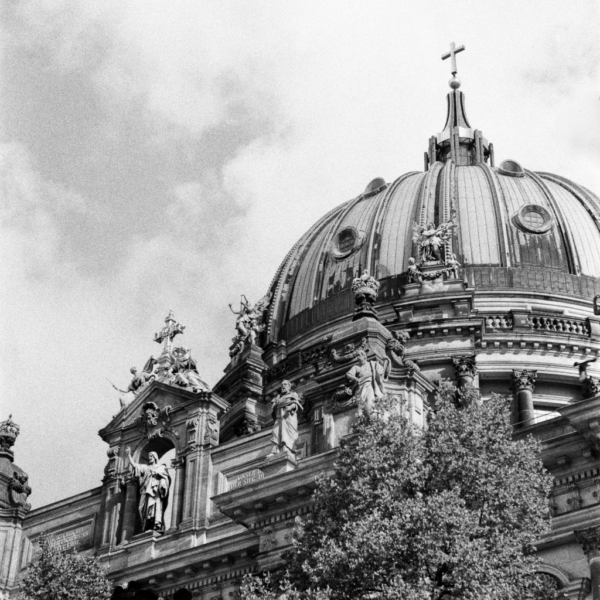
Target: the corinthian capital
(524, 380)
(589, 540)
(465, 366)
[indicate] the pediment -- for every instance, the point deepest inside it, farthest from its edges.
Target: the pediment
(156, 406)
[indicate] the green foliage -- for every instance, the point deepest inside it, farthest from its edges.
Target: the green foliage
(452, 511)
(57, 575)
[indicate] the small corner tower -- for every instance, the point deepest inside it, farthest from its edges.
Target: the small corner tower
(14, 492)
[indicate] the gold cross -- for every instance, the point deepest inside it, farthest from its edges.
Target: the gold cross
(453, 52)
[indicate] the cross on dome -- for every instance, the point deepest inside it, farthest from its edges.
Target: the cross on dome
(452, 55)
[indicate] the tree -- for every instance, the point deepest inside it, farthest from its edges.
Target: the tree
(57, 575)
(451, 511)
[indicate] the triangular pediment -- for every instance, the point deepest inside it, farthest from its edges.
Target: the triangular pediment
(158, 402)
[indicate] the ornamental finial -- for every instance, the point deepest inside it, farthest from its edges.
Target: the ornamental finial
(9, 431)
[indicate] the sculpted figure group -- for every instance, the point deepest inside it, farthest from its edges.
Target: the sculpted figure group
(431, 242)
(181, 369)
(249, 322)
(431, 239)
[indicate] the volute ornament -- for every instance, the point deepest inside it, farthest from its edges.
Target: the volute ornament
(19, 490)
(211, 430)
(247, 426)
(590, 386)
(396, 350)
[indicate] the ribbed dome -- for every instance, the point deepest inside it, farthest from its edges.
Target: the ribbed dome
(515, 229)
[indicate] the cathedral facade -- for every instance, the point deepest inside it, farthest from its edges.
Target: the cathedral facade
(481, 273)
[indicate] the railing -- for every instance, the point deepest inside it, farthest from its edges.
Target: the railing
(559, 325)
(498, 322)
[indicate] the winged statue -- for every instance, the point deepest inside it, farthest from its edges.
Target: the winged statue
(249, 322)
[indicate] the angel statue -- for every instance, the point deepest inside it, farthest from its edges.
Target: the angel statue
(431, 239)
(139, 380)
(249, 322)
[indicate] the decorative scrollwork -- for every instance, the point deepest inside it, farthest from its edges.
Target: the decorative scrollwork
(396, 350)
(19, 490)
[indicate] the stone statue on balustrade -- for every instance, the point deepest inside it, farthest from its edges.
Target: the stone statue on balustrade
(368, 379)
(249, 322)
(155, 482)
(286, 407)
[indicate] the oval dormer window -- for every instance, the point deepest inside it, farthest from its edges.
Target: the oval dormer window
(511, 168)
(533, 218)
(348, 241)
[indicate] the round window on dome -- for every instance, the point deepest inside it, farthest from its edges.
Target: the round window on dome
(511, 168)
(533, 218)
(348, 241)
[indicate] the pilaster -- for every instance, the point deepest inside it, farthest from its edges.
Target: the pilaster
(590, 542)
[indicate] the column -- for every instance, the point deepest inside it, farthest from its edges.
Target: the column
(523, 385)
(130, 510)
(590, 542)
(179, 465)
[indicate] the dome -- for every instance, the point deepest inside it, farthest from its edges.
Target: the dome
(516, 231)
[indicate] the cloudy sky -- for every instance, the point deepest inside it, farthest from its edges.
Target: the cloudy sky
(167, 154)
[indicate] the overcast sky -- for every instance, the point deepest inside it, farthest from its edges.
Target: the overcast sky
(166, 155)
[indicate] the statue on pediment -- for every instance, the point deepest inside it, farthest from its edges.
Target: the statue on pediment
(286, 407)
(368, 378)
(155, 481)
(431, 239)
(249, 322)
(185, 370)
(139, 380)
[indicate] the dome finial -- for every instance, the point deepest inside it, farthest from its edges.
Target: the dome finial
(454, 83)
